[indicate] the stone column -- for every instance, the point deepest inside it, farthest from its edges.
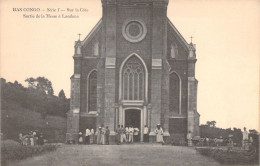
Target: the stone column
(159, 50)
(73, 115)
(165, 100)
(192, 92)
(109, 34)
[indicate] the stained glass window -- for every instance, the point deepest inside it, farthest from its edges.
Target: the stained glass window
(133, 79)
(174, 93)
(92, 91)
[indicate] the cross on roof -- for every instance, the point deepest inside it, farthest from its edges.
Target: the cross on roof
(191, 39)
(79, 36)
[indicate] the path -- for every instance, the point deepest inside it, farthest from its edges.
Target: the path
(125, 155)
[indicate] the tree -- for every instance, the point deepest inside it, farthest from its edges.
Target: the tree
(213, 123)
(31, 82)
(209, 123)
(62, 95)
(42, 84)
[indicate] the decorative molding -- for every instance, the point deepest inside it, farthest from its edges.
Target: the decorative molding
(142, 30)
(76, 111)
(76, 75)
(110, 62)
(156, 63)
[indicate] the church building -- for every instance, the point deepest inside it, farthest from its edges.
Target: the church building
(134, 68)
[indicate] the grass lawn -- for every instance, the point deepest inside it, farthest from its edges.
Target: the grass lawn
(125, 155)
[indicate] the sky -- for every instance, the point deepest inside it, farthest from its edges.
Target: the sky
(226, 34)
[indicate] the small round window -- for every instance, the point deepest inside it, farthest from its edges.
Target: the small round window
(134, 31)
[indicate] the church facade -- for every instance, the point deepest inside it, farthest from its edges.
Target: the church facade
(134, 68)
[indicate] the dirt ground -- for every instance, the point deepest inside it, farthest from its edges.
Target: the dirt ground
(123, 155)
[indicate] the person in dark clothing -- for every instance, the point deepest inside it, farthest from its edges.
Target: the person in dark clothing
(107, 132)
(40, 140)
(118, 136)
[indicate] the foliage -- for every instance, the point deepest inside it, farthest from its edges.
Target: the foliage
(233, 157)
(211, 123)
(215, 132)
(37, 97)
(11, 150)
(42, 84)
(62, 95)
(16, 119)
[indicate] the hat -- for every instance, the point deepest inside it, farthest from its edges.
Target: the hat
(99, 127)
(80, 132)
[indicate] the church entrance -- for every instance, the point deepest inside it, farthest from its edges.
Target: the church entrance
(133, 118)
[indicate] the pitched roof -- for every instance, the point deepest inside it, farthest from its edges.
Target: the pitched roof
(179, 36)
(92, 32)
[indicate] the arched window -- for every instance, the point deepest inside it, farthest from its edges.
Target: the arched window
(133, 79)
(175, 94)
(174, 50)
(92, 91)
(96, 49)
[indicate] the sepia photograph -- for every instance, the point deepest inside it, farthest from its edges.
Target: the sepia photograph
(129, 82)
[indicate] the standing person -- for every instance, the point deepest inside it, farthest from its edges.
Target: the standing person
(21, 138)
(123, 136)
(31, 139)
(40, 139)
(189, 137)
(103, 131)
(245, 140)
(80, 138)
(127, 133)
(159, 134)
(146, 134)
(107, 132)
(87, 138)
(131, 134)
(92, 137)
(136, 133)
(230, 142)
(118, 137)
(35, 138)
(98, 133)
(26, 140)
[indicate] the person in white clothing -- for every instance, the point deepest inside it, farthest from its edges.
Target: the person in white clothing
(245, 140)
(87, 138)
(189, 137)
(146, 134)
(136, 134)
(92, 137)
(127, 133)
(80, 138)
(159, 134)
(123, 134)
(131, 134)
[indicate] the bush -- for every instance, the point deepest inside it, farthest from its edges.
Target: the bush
(11, 150)
(233, 157)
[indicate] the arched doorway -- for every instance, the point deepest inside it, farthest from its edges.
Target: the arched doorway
(133, 118)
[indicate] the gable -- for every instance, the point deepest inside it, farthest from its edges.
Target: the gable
(92, 33)
(173, 30)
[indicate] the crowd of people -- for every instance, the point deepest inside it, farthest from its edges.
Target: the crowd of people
(31, 139)
(246, 141)
(128, 134)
